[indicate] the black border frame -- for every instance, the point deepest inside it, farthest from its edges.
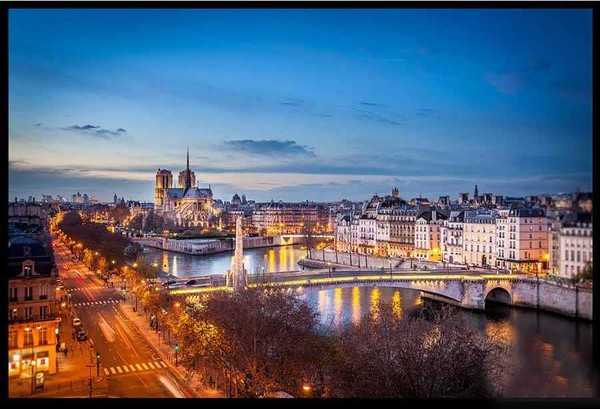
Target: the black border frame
(327, 4)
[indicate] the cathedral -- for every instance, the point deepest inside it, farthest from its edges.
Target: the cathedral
(186, 205)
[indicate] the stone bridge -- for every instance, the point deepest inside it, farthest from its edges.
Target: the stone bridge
(468, 290)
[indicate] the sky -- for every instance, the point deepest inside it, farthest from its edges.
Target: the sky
(300, 104)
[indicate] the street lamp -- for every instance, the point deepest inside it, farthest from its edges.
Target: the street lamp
(176, 352)
(97, 363)
(306, 388)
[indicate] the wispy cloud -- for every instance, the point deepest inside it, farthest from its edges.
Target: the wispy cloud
(96, 130)
(371, 115)
(269, 147)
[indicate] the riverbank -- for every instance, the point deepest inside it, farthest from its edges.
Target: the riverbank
(202, 247)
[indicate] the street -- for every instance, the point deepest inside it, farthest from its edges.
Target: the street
(129, 365)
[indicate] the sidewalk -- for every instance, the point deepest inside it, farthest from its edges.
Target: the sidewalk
(72, 374)
(166, 352)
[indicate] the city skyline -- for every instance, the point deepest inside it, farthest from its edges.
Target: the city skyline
(300, 105)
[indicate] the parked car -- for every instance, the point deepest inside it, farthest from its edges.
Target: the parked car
(81, 335)
(170, 283)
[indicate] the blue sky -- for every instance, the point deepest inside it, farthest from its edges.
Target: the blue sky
(301, 105)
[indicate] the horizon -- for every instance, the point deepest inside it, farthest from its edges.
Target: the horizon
(297, 105)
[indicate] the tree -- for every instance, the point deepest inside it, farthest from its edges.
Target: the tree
(308, 229)
(265, 340)
(586, 274)
(136, 222)
(416, 357)
(119, 213)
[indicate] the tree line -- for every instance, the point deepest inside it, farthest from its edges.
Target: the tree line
(263, 340)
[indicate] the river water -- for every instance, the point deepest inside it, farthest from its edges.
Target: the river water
(551, 355)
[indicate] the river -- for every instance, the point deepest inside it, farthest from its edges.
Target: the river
(551, 355)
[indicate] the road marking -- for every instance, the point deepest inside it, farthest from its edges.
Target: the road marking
(119, 370)
(138, 367)
(125, 368)
(132, 368)
(106, 371)
(171, 387)
(112, 369)
(150, 365)
(144, 366)
(163, 364)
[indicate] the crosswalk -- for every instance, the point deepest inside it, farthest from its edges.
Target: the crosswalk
(92, 287)
(129, 368)
(94, 303)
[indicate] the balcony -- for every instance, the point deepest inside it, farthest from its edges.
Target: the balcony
(35, 318)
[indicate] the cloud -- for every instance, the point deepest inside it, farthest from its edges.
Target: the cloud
(269, 147)
(295, 102)
(425, 112)
(371, 104)
(370, 115)
(95, 130)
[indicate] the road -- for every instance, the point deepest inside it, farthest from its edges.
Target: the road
(130, 366)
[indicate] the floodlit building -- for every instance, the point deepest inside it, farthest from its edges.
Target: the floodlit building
(427, 235)
(576, 245)
(523, 245)
(451, 233)
(187, 205)
(33, 310)
(479, 235)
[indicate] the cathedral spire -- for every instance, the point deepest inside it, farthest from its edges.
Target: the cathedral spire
(188, 173)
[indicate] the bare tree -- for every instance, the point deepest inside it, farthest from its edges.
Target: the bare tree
(308, 230)
(416, 358)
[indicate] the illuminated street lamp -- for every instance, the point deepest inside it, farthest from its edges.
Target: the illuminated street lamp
(113, 261)
(307, 389)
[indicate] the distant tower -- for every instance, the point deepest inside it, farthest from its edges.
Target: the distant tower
(163, 181)
(237, 276)
(395, 192)
(476, 193)
(187, 178)
(115, 199)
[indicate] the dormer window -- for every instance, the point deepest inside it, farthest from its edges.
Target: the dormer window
(28, 268)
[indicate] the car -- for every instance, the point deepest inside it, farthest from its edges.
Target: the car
(191, 282)
(169, 283)
(76, 322)
(81, 335)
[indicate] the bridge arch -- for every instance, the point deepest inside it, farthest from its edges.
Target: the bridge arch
(499, 295)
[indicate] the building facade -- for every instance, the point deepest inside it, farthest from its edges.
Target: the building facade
(523, 244)
(451, 233)
(427, 235)
(479, 238)
(187, 205)
(275, 218)
(33, 310)
(576, 246)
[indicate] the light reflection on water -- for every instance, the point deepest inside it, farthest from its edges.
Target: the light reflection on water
(272, 259)
(551, 356)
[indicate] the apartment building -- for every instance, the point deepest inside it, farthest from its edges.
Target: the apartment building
(33, 310)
